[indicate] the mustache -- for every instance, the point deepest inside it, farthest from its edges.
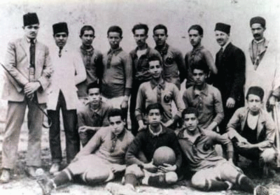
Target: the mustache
(220, 39)
(256, 35)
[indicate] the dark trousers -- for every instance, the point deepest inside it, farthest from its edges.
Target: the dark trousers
(70, 128)
(133, 99)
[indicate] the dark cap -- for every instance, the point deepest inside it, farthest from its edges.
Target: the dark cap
(60, 27)
(255, 90)
(223, 27)
(259, 20)
(30, 18)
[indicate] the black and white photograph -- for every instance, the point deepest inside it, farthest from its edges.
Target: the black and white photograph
(152, 97)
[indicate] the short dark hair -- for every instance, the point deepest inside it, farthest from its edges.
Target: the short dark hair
(140, 26)
(200, 65)
(198, 28)
(93, 85)
(116, 29)
(255, 90)
(154, 106)
(190, 110)
(116, 112)
(154, 58)
(86, 27)
(160, 26)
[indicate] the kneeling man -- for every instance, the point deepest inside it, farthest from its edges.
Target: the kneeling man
(211, 172)
(252, 131)
(141, 168)
(100, 159)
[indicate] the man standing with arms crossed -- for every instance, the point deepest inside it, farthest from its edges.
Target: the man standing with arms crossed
(28, 69)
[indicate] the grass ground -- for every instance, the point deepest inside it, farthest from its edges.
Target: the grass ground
(22, 185)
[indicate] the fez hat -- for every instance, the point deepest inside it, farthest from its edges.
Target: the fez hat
(30, 18)
(223, 27)
(255, 90)
(259, 20)
(60, 27)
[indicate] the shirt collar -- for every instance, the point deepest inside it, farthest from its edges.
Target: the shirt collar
(86, 51)
(97, 111)
(120, 136)
(29, 40)
(197, 49)
(225, 46)
(203, 91)
(161, 131)
(134, 52)
(163, 50)
(115, 51)
(155, 84)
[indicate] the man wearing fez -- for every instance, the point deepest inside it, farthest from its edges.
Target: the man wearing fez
(173, 61)
(92, 59)
(68, 72)
(198, 55)
(28, 69)
(262, 67)
(252, 131)
(230, 79)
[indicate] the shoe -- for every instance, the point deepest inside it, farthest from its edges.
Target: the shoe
(261, 190)
(6, 176)
(55, 168)
(30, 171)
(118, 189)
(44, 182)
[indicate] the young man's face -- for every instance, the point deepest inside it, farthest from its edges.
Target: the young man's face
(221, 37)
(94, 96)
(254, 103)
(257, 31)
(160, 37)
(117, 124)
(155, 69)
(194, 37)
(31, 31)
(154, 117)
(199, 77)
(190, 121)
(114, 39)
(140, 37)
(60, 39)
(87, 37)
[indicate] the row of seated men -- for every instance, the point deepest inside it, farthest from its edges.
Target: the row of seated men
(155, 78)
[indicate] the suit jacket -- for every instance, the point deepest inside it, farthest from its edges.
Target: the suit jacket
(265, 124)
(17, 70)
(69, 71)
(230, 78)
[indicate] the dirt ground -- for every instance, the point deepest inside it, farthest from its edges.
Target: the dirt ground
(22, 185)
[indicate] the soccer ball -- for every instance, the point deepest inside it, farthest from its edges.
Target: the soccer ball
(163, 155)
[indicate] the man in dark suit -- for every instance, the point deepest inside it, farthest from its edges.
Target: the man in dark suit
(28, 69)
(230, 62)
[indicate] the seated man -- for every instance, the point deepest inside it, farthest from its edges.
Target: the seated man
(157, 90)
(100, 159)
(205, 98)
(93, 115)
(252, 131)
(147, 141)
(211, 172)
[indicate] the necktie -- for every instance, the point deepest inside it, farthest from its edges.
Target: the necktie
(32, 60)
(59, 53)
(220, 54)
